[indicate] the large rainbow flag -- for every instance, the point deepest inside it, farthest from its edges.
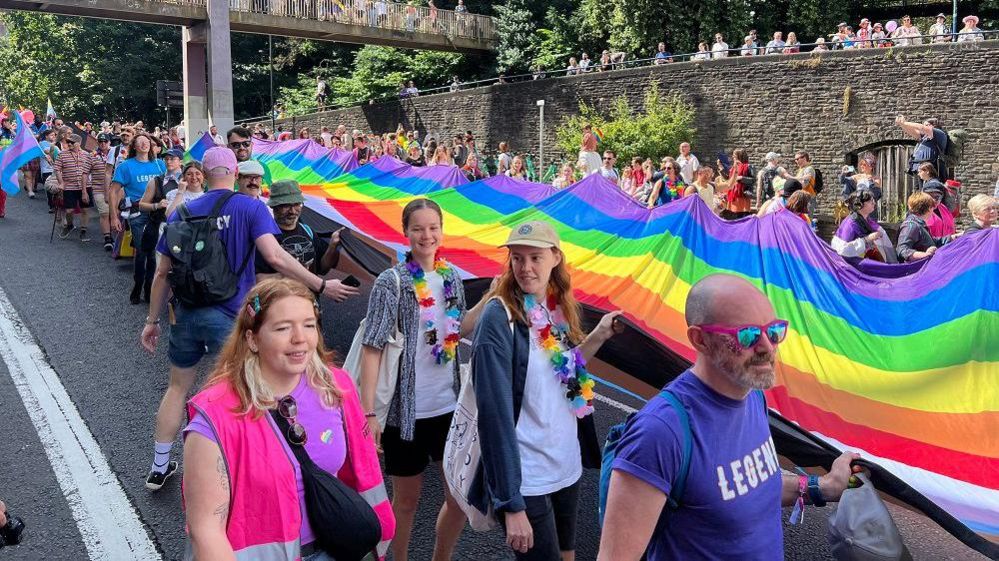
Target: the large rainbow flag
(904, 370)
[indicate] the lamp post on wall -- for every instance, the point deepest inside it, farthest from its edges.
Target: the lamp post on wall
(541, 138)
(953, 22)
(270, 66)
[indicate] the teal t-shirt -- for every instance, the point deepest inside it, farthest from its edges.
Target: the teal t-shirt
(133, 176)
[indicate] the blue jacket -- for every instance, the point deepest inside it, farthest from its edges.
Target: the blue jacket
(499, 370)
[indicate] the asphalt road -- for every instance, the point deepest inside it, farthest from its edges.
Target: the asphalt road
(74, 302)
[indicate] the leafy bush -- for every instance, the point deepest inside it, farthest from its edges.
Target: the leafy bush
(653, 133)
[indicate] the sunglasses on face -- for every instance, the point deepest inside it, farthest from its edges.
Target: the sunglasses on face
(748, 336)
(288, 408)
(243, 144)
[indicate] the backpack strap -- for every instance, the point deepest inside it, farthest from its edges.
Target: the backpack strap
(217, 209)
(686, 447)
(312, 236)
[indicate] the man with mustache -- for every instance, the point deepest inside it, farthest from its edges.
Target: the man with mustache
(314, 253)
(730, 507)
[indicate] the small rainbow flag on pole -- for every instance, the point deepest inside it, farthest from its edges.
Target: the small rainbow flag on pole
(599, 134)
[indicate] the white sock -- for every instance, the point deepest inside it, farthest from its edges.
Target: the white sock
(161, 456)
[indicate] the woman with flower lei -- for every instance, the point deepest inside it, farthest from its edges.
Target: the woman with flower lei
(670, 188)
(424, 296)
(535, 397)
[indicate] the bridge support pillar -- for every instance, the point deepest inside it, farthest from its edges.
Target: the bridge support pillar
(208, 73)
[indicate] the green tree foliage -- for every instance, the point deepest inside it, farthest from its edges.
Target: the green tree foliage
(515, 24)
(656, 130)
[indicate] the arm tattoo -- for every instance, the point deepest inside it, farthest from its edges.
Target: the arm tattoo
(222, 511)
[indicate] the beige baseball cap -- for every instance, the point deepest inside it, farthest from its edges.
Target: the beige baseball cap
(533, 234)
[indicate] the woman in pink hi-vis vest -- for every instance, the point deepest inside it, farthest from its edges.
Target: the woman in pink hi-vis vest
(243, 489)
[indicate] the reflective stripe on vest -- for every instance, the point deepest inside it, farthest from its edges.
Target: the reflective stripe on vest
(287, 551)
(375, 495)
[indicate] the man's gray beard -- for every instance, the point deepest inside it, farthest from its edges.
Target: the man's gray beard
(741, 376)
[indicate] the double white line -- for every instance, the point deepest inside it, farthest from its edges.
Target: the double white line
(108, 522)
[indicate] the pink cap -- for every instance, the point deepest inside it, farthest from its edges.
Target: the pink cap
(219, 157)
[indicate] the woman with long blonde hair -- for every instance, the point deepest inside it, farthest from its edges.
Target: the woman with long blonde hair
(441, 157)
(534, 397)
(243, 483)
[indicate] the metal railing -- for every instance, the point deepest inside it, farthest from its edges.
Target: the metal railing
(877, 46)
(381, 14)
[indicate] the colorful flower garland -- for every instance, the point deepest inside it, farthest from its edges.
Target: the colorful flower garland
(674, 187)
(446, 351)
(578, 384)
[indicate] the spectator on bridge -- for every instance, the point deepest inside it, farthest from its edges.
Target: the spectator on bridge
(607, 65)
(940, 32)
(517, 169)
(907, 34)
(850, 41)
(748, 47)
(792, 45)
(316, 254)
(321, 92)
(860, 236)
(213, 131)
(820, 45)
(839, 37)
(864, 34)
(503, 159)
(423, 298)
(756, 43)
(245, 224)
(455, 84)
(703, 53)
(72, 170)
(412, 90)
(914, 239)
(584, 63)
(984, 211)
(537, 432)
(879, 37)
(776, 46)
(970, 31)
(573, 67)
(460, 8)
(733, 328)
(471, 169)
(662, 55)
(607, 167)
(274, 366)
(129, 184)
(720, 48)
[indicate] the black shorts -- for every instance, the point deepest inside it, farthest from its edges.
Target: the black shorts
(72, 200)
(406, 459)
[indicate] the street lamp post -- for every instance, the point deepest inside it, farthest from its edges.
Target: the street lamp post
(270, 66)
(541, 138)
(953, 22)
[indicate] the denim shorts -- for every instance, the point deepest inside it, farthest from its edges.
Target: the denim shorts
(197, 332)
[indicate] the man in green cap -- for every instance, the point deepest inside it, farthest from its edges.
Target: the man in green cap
(314, 253)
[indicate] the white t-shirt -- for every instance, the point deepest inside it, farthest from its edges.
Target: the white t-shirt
(188, 196)
(116, 156)
(688, 165)
(550, 458)
(719, 50)
(609, 174)
(434, 382)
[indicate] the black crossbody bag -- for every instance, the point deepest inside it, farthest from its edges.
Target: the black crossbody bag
(345, 525)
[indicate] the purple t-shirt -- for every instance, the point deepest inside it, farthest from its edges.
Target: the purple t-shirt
(242, 219)
(731, 507)
(326, 443)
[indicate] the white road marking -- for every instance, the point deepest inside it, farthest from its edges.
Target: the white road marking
(108, 523)
(626, 408)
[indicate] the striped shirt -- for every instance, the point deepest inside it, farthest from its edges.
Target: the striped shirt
(98, 171)
(73, 167)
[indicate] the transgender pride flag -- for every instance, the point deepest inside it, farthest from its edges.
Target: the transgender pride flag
(24, 149)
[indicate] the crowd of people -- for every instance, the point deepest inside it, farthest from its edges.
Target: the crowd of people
(240, 278)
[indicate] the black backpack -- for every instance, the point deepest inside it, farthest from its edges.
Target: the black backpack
(201, 275)
(819, 183)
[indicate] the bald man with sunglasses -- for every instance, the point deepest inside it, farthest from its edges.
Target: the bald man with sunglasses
(730, 505)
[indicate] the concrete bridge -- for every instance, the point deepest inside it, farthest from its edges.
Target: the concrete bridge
(207, 25)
